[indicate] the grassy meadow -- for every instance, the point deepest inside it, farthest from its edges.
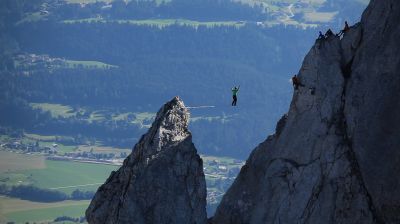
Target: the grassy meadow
(56, 110)
(21, 211)
(63, 176)
(13, 162)
(143, 119)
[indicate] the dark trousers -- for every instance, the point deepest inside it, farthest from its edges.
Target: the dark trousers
(234, 100)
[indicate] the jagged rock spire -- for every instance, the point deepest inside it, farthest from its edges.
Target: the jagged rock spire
(162, 181)
(169, 127)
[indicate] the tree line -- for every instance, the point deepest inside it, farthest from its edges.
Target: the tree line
(199, 64)
(33, 193)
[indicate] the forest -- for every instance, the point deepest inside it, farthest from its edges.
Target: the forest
(151, 65)
(148, 64)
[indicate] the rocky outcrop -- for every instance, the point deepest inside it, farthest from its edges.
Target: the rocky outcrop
(335, 156)
(162, 181)
(372, 107)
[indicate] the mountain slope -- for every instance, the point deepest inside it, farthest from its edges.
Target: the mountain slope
(333, 158)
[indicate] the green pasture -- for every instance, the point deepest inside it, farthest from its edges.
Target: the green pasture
(13, 163)
(46, 138)
(22, 211)
(142, 119)
(47, 214)
(67, 176)
(56, 110)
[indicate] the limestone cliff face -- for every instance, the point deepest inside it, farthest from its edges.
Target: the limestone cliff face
(162, 181)
(335, 156)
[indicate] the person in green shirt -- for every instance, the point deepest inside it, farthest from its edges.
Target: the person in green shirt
(235, 90)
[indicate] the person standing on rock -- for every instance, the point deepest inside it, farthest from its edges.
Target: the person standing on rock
(235, 90)
(345, 29)
(321, 36)
(296, 82)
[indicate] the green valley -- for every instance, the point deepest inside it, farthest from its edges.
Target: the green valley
(81, 81)
(69, 176)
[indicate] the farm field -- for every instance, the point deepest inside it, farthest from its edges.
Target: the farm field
(21, 211)
(63, 176)
(11, 162)
(69, 176)
(34, 169)
(67, 111)
(56, 110)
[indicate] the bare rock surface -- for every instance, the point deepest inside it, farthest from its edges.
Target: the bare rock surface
(335, 156)
(373, 107)
(162, 181)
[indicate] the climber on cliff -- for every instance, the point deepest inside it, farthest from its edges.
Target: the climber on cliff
(296, 82)
(321, 36)
(345, 29)
(235, 90)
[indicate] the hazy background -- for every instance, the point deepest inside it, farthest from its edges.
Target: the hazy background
(81, 81)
